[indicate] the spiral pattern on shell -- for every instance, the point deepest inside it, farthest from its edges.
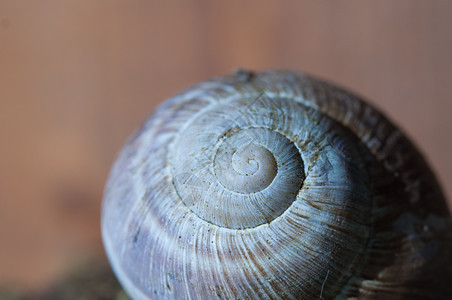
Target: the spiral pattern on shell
(269, 185)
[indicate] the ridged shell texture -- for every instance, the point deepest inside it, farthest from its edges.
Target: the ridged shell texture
(273, 185)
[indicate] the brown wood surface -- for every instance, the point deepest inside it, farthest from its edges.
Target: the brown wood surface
(76, 77)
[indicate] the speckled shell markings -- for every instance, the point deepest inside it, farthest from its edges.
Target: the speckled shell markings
(274, 185)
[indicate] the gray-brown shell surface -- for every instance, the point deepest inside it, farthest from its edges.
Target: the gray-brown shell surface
(274, 185)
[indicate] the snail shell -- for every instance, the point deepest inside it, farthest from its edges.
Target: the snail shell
(274, 185)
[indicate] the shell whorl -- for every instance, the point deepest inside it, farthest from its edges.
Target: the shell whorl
(268, 185)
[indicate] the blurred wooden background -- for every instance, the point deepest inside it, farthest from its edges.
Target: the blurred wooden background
(76, 77)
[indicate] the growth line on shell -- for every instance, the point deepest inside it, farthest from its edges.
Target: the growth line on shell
(323, 284)
(232, 122)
